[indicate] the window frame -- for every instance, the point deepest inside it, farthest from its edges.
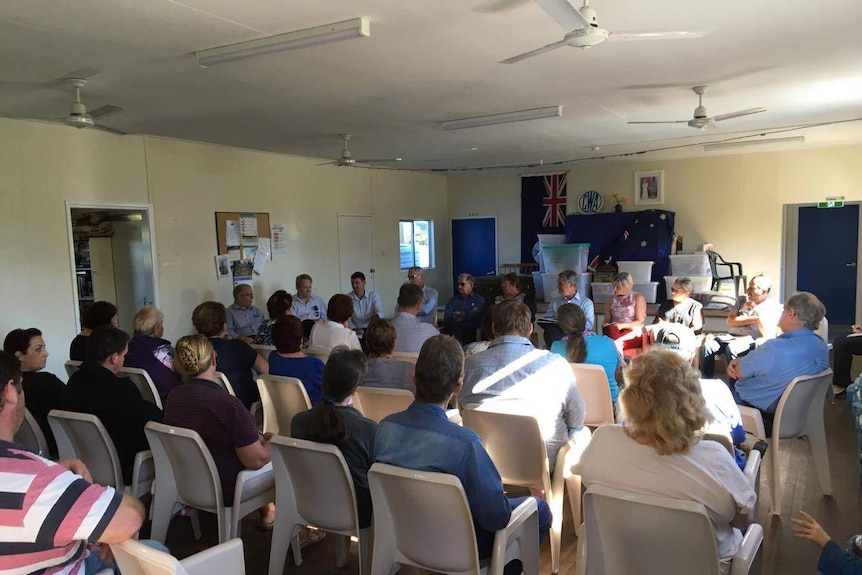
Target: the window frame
(415, 259)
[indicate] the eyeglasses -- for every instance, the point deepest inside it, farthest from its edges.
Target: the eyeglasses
(413, 277)
(677, 290)
(462, 284)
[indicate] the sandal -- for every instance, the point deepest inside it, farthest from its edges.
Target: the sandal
(313, 537)
(839, 391)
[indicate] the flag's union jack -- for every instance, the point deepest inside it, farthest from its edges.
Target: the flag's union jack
(554, 201)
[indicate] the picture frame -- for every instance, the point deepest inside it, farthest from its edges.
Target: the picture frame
(649, 187)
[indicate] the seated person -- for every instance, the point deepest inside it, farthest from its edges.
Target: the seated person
(243, 319)
(44, 391)
(333, 331)
(844, 347)
(625, 312)
(288, 360)
(235, 357)
(752, 321)
(278, 305)
(681, 308)
(150, 352)
(428, 307)
(95, 315)
(423, 438)
(463, 312)
(335, 421)
(382, 370)
(412, 333)
(226, 426)
(307, 306)
(366, 304)
(567, 285)
(511, 286)
(763, 374)
(658, 451)
(96, 389)
(512, 376)
(576, 347)
(833, 560)
(55, 519)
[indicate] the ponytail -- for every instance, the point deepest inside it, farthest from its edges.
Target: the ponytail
(341, 376)
(327, 424)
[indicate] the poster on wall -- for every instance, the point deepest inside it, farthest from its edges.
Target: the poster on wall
(279, 239)
(222, 265)
(233, 236)
(261, 256)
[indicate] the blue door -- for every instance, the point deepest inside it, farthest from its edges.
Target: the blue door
(474, 247)
(826, 259)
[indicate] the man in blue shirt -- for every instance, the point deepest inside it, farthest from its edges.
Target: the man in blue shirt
(464, 311)
(422, 438)
(243, 319)
(764, 373)
(567, 286)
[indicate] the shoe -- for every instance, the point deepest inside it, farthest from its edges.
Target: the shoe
(839, 391)
(313, 538)
(761, 447)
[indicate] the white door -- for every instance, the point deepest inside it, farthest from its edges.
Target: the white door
(356, 249)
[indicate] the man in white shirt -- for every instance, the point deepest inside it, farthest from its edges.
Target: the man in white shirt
(428, 308)
(305, 305)
(366, 304)
(568, 288)
(410, 333)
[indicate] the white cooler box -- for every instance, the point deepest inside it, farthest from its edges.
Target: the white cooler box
(641, 271)
(690, 265)
(701, 283)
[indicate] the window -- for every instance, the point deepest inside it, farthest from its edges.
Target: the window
(416, 243)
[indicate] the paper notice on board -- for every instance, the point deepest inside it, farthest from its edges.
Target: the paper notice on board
(233, 237)
(233, 254)
(222, 268)
(262, 256)
(248, 224)
(279, 239)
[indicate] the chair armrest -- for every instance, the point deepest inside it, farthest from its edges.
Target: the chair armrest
(253, 482)
(143, 473)
(224, 558)
(752, 421)
(747, 551)
(752, 466)
(523, 524)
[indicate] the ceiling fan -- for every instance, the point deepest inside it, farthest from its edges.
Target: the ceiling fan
(584, 31)
(701, 120)
(347, 158)
(78, 116)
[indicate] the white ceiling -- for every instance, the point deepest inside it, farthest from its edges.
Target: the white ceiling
(432, 60)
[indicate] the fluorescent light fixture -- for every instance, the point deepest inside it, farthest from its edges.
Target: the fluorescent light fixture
(506, 118)
(749, 143)
(346, 30)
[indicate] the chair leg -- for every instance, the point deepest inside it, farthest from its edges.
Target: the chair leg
(366, 543)
(281, 539)
(342, 550)
(554, 497)
(775, 476)
(162, 509)
(820, 452)
(530, 550)
(225, 529)
(196, 525)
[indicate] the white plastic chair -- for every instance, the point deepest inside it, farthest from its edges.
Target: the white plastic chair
(627, 532)
(30, 434)
(72, 366)
(517, 449)
(405, 356)
(376, 403)
(799, 413)
(313, 486)
(224, 382)
(281, 399)
(83, 436)
(263, 350)
(423, 519)
(187, 474)
(319, 353)
(144, 383)
(592, 382)
(135, 558)
(823, 331)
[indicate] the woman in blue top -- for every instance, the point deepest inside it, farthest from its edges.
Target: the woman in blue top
(592, 349)
(288, 360)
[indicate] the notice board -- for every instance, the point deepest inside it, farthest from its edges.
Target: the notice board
(221, 219)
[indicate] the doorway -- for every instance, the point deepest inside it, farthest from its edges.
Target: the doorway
(355, 249)
(112, 250)
(474, 247)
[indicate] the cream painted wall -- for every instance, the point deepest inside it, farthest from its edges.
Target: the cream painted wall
(734, 202)
(44, 165)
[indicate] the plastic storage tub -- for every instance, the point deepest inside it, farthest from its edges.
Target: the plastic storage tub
(648, 290)
(548, 240)
(641, 271)
(562, 257)
(690, 265)
(701, 283)
(549, 287)
(537, 285)
(602, 291)
(584, 281)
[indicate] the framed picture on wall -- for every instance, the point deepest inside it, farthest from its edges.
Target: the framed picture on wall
(649, 187)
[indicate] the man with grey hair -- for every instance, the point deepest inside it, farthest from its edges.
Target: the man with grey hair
(567, 285)
(764, 373)
(464, 311)
(428, 308)
(305, 304)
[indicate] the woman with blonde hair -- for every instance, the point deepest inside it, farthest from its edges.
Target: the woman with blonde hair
(658, 449)
(227, 428)
(625, 311)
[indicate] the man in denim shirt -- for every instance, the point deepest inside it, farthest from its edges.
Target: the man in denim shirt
(422, 438)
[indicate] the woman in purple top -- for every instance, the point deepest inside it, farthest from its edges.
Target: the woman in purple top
(148, 351)
(288, 360)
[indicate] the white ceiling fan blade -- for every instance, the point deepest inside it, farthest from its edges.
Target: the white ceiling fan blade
(378, 161)
(495, 6)
(662, 122)
(738, 114)
(110, 130)
(629, 35)
(105, 111)
(532, 53)
(565, 13)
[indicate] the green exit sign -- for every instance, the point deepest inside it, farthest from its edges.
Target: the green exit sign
(831, 204)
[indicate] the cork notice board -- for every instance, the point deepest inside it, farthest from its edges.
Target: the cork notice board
(263, 230)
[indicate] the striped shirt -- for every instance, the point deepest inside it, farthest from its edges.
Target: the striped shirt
(47, 514)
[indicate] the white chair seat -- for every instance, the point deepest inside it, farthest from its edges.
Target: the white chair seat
(281, 398)
(135, 558)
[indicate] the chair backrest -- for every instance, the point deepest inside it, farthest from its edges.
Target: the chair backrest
(802, 400)
(185, 465)
(823, 329)
(82, 436)
(223, 381)
(263, 350)
(144, 383)
(319, 353)
(427, 517)
(405, 356)
(592, 382)
(30, 434)
(514, 443)
(281, 399)
(72, 366)
(376, 403)
(319, 480)
(135, 558)
(647, 535)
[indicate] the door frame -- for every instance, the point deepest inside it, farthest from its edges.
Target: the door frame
(109, 206)
(496, 242)
(373, 252)
(789, 239)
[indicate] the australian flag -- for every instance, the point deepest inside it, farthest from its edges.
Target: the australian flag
(543, 209)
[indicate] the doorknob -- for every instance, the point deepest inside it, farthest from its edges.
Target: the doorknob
(853, 265)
